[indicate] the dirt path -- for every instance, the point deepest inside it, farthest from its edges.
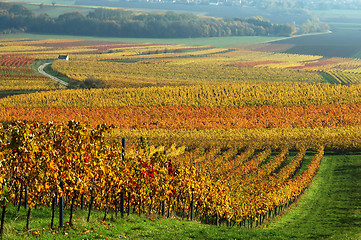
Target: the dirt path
(41, 70)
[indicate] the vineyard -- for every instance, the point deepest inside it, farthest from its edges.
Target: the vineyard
(23, 79)
(41, 160)
(16, 61)
(134, 65)
(202, 95)
(223, 136)
(197, 118)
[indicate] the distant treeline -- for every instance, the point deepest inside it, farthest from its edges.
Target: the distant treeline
(122, 23)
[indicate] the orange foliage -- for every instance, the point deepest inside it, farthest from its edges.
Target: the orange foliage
(172, 117)
(41, 156)
(15, 61)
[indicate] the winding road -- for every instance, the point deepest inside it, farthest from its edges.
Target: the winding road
(41, 70)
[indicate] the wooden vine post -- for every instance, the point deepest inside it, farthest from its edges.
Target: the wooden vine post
(61, 207)
(2, 220)
(163, 202)
(90, 204)
(192, 207)
(26, 197)
(53, 204)
(123, 149)
(82, 201)
(122, 193)
(3, 202)
(163, 208)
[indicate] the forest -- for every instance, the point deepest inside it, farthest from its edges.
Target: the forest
(121, 23)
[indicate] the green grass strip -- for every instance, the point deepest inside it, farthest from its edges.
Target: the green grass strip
(331, 207)
(213, 41)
